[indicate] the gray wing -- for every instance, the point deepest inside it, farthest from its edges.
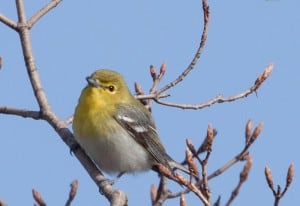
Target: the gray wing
(141, 127)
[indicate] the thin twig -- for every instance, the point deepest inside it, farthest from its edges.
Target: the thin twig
(69, 120)
(156, 80)
(198, 53)
(243, 155)
(243, 177)
(162, 192)
(21, 11)
(182, 181)
(20, 112)
(220, 99)
(151, 96)
(29, 60)
(8, 22)
(52, 4)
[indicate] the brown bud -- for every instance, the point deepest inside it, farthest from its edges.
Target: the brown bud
(256, 132)
(210, 134)
(74, 187)
(262, 77)
(166, 171)
(138, 89)
(207, 143)
(191, 147)
(269, 177)
(162, 70)
(191, 163)
(290, 175)
(153, 72)
(246, 170)
(248, 130)
(38, 198)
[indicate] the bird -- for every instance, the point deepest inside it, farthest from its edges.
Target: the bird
(115, 129)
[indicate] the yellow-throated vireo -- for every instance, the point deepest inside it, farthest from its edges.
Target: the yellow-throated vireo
(115, 129)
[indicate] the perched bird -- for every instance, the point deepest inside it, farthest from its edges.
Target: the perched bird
(115, 129)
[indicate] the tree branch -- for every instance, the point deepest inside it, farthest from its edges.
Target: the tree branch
(21, 112)
(198, 53)
(33, 75)
(52, 4)
(220, 99)
(116, 197)
(8, 22)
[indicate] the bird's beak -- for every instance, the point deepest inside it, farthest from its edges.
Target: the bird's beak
(92, 82)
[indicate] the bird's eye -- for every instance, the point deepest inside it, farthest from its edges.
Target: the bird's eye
(111, 88)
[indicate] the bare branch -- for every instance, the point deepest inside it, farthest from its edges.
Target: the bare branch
(177, 177)
(198, 53)
(8, 22)
(52, 4)
(30, 62)
(243, 155)
(151, 96)
(21, 112)
(243, 177)
(116, 197)
(162, 193)
(21, 11)
(192, 187)
(220, 99)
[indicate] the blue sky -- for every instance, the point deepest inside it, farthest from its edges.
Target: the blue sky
(79, 37)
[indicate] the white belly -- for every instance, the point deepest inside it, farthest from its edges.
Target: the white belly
(118, 153)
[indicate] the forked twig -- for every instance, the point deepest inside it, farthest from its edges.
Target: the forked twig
(277, 193)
